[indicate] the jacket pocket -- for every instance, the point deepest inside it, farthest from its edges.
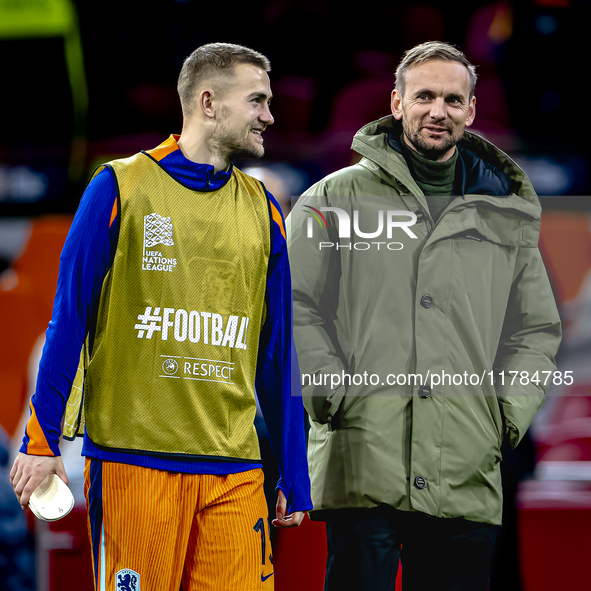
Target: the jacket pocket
(334, 402)
(337, 404)
(496, 417)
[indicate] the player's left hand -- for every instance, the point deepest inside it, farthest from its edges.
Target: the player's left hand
(283, 520)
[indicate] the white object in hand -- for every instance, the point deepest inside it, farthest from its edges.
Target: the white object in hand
(52, 499)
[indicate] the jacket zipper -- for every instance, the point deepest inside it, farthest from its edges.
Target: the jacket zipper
(427, 221)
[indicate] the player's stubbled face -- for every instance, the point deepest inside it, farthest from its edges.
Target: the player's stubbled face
(436, 107)
(244, 113)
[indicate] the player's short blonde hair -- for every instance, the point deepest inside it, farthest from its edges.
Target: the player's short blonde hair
(212, 61)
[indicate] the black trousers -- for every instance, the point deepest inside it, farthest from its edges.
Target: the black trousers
(365, 545)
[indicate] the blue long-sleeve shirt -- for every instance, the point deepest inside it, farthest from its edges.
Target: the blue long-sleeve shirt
(86, 258)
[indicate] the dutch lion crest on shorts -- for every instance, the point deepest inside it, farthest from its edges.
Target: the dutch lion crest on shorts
(127, 580)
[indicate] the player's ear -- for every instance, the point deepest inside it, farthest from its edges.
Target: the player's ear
(206, 103)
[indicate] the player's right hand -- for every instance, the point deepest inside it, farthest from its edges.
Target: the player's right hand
(284, 521)
(28, 472)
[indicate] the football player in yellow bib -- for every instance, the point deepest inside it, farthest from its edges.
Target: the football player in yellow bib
(175, 285)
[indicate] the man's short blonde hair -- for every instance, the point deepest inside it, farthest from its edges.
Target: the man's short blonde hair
(432, 50)
(210, 61)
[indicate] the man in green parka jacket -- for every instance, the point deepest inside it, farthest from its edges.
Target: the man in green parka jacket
(426, 331)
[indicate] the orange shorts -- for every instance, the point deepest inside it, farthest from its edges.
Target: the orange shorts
(152, 530)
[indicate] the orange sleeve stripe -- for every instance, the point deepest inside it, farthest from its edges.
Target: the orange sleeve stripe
(113, 213)
(277, 219)
(37, 442)
(164, 149)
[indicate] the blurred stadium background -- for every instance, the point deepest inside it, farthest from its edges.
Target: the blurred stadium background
(83, 83)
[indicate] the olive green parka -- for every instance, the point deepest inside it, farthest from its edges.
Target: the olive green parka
(422, 325)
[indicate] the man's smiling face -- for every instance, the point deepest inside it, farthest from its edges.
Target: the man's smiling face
(436, 107)
(244, 113)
